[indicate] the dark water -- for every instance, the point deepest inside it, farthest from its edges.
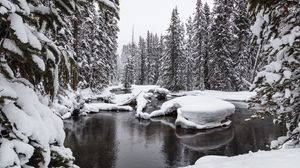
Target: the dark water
(119, 140)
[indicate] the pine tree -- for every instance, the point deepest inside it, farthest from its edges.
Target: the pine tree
(128, 70)
(157, 56)
(31, 56)
(172, 67)
(276, 30)
(142, 62)
(243, 48)
(189, 61)
(207, 46)
(160, 50)
(98, 45)
(110, 30)
(150, 63)
(199, 22)
(223, 76)
(40, 45)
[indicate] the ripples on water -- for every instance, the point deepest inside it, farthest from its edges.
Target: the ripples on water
(119, 140)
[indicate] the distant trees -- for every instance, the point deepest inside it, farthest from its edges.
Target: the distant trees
(215, 53)
(144, 58)
(129, 74)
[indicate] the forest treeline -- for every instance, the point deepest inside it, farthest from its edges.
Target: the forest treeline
(212, 50)
(240, 45)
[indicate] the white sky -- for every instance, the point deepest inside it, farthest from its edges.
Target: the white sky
(152, 15)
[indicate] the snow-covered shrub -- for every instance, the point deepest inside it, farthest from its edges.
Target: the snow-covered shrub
(31, 134)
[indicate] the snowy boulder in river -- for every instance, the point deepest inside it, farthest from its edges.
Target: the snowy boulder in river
(198, 112)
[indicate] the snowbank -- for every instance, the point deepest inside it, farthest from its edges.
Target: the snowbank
(199, 112)
(262, 159)
(27, 125)
(141, 95)
(97, 107)
(242, 96)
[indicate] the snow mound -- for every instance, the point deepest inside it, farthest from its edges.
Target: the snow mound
(242, 96)
(97, 107)
(262, 159)
(28, 125)
(198, 112)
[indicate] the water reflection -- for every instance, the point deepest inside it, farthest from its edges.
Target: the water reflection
(93, 141)
(119, 140)
(208, 140)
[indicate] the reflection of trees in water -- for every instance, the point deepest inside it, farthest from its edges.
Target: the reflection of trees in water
(158, 135)
(93, 141)
(253, 135)
(205, 141)
(242, 137)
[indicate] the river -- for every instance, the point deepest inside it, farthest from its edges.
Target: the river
(119, 140)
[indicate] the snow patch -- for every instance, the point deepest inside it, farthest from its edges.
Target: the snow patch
(98, 107)
(262, 159)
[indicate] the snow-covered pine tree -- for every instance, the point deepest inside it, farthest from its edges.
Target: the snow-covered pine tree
(223, 76)
(128, 70)
(152, 58)
(199, 22)
(207, 45)
(110, 29)
(172, 75)
(30, 60)
(99, 56)
(160, 50)
(243, 49)
(142, 62)
(150, 64)
(277, 29)
(86, 37)
(189, 59)
(97, 51)
(157, 56)
(137, 64)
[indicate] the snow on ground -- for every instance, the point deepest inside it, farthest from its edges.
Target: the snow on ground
(97, 107)
(142, 95)
(31, 125)
(198, 112)
(242, 96)
(239, 99)
(288, 158)
(143, 98)
(137, 90)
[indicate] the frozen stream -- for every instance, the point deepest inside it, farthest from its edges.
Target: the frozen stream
(119, 140)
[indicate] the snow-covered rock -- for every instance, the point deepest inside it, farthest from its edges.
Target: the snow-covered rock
(97, 107)
(262, 159)
(199, 112)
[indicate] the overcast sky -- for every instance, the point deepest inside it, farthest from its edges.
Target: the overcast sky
(152, 15)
